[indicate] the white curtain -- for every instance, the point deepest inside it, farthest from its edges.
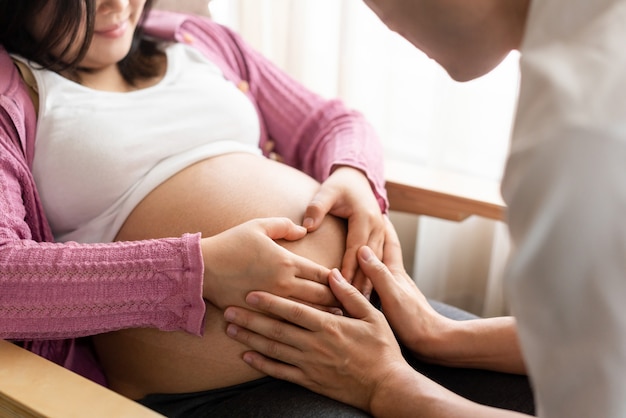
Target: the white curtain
(339, 48)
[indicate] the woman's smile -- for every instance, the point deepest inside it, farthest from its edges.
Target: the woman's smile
(113, 31)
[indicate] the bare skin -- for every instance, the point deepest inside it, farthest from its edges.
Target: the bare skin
(211, 196)
(218, 197)
(356, 359)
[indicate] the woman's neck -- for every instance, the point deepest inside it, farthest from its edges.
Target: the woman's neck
(106, 79)
(110, 78)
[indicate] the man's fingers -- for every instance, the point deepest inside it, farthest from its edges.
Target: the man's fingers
(266, 351)
(278, 370)
(296, 313)
(265, 336)
(362, 283)
(354, 303)
(378, 273)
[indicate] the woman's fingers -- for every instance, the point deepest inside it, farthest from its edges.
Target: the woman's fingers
(282, 228)
(392, 251)
(313, 293)
(318, 208)
(375, 241)
(362, 284)
(308, 269)
(358, 234)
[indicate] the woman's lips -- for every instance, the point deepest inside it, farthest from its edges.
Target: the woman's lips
(113, 31)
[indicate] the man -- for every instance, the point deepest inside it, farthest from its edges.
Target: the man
(565, 187)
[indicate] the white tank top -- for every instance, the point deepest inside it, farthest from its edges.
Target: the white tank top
(98, 154)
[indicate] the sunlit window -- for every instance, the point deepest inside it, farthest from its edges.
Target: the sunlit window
(340, 48)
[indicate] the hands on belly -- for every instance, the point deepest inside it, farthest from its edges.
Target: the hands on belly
(247, 257)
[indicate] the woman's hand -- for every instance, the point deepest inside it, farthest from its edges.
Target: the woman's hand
(246, 258)
(406, 309)
(348, 194)
(344, 357)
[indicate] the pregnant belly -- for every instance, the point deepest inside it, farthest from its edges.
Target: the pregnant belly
(208, 197)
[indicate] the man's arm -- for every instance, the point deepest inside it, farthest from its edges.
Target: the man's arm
(487, 343)
(467, 38)
(355, 358)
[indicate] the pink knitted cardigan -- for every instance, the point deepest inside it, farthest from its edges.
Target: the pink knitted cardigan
(52, 294)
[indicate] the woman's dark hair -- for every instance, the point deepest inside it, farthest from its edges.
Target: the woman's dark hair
(66, 24)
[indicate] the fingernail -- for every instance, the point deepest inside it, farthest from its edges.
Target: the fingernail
(252, 299)
(229, 315)
(337, 276)
(231, 330)
(247, 358)
(336, 311)
(366, 253)
(307, 223)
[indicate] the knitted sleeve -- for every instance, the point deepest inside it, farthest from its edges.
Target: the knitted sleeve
(52, 290)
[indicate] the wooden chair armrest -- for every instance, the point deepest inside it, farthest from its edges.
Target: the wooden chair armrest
(441, 194)
(31, 386)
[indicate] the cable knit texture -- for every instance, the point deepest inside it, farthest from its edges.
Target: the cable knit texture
(52, 294)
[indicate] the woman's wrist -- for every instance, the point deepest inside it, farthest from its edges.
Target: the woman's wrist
(207, 281)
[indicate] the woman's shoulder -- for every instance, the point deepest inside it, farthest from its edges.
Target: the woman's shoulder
(217, 42)
(16, 107)
(10, 80)
(7, 76)
(198, 31)
(173, 26)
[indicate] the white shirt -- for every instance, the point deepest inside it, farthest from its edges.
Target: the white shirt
(99, 153)
(565, 185)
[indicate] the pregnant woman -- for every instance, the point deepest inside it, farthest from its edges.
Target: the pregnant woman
(138, 141)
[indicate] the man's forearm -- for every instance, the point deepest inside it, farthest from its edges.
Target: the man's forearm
(406, 393)
(490, 343)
